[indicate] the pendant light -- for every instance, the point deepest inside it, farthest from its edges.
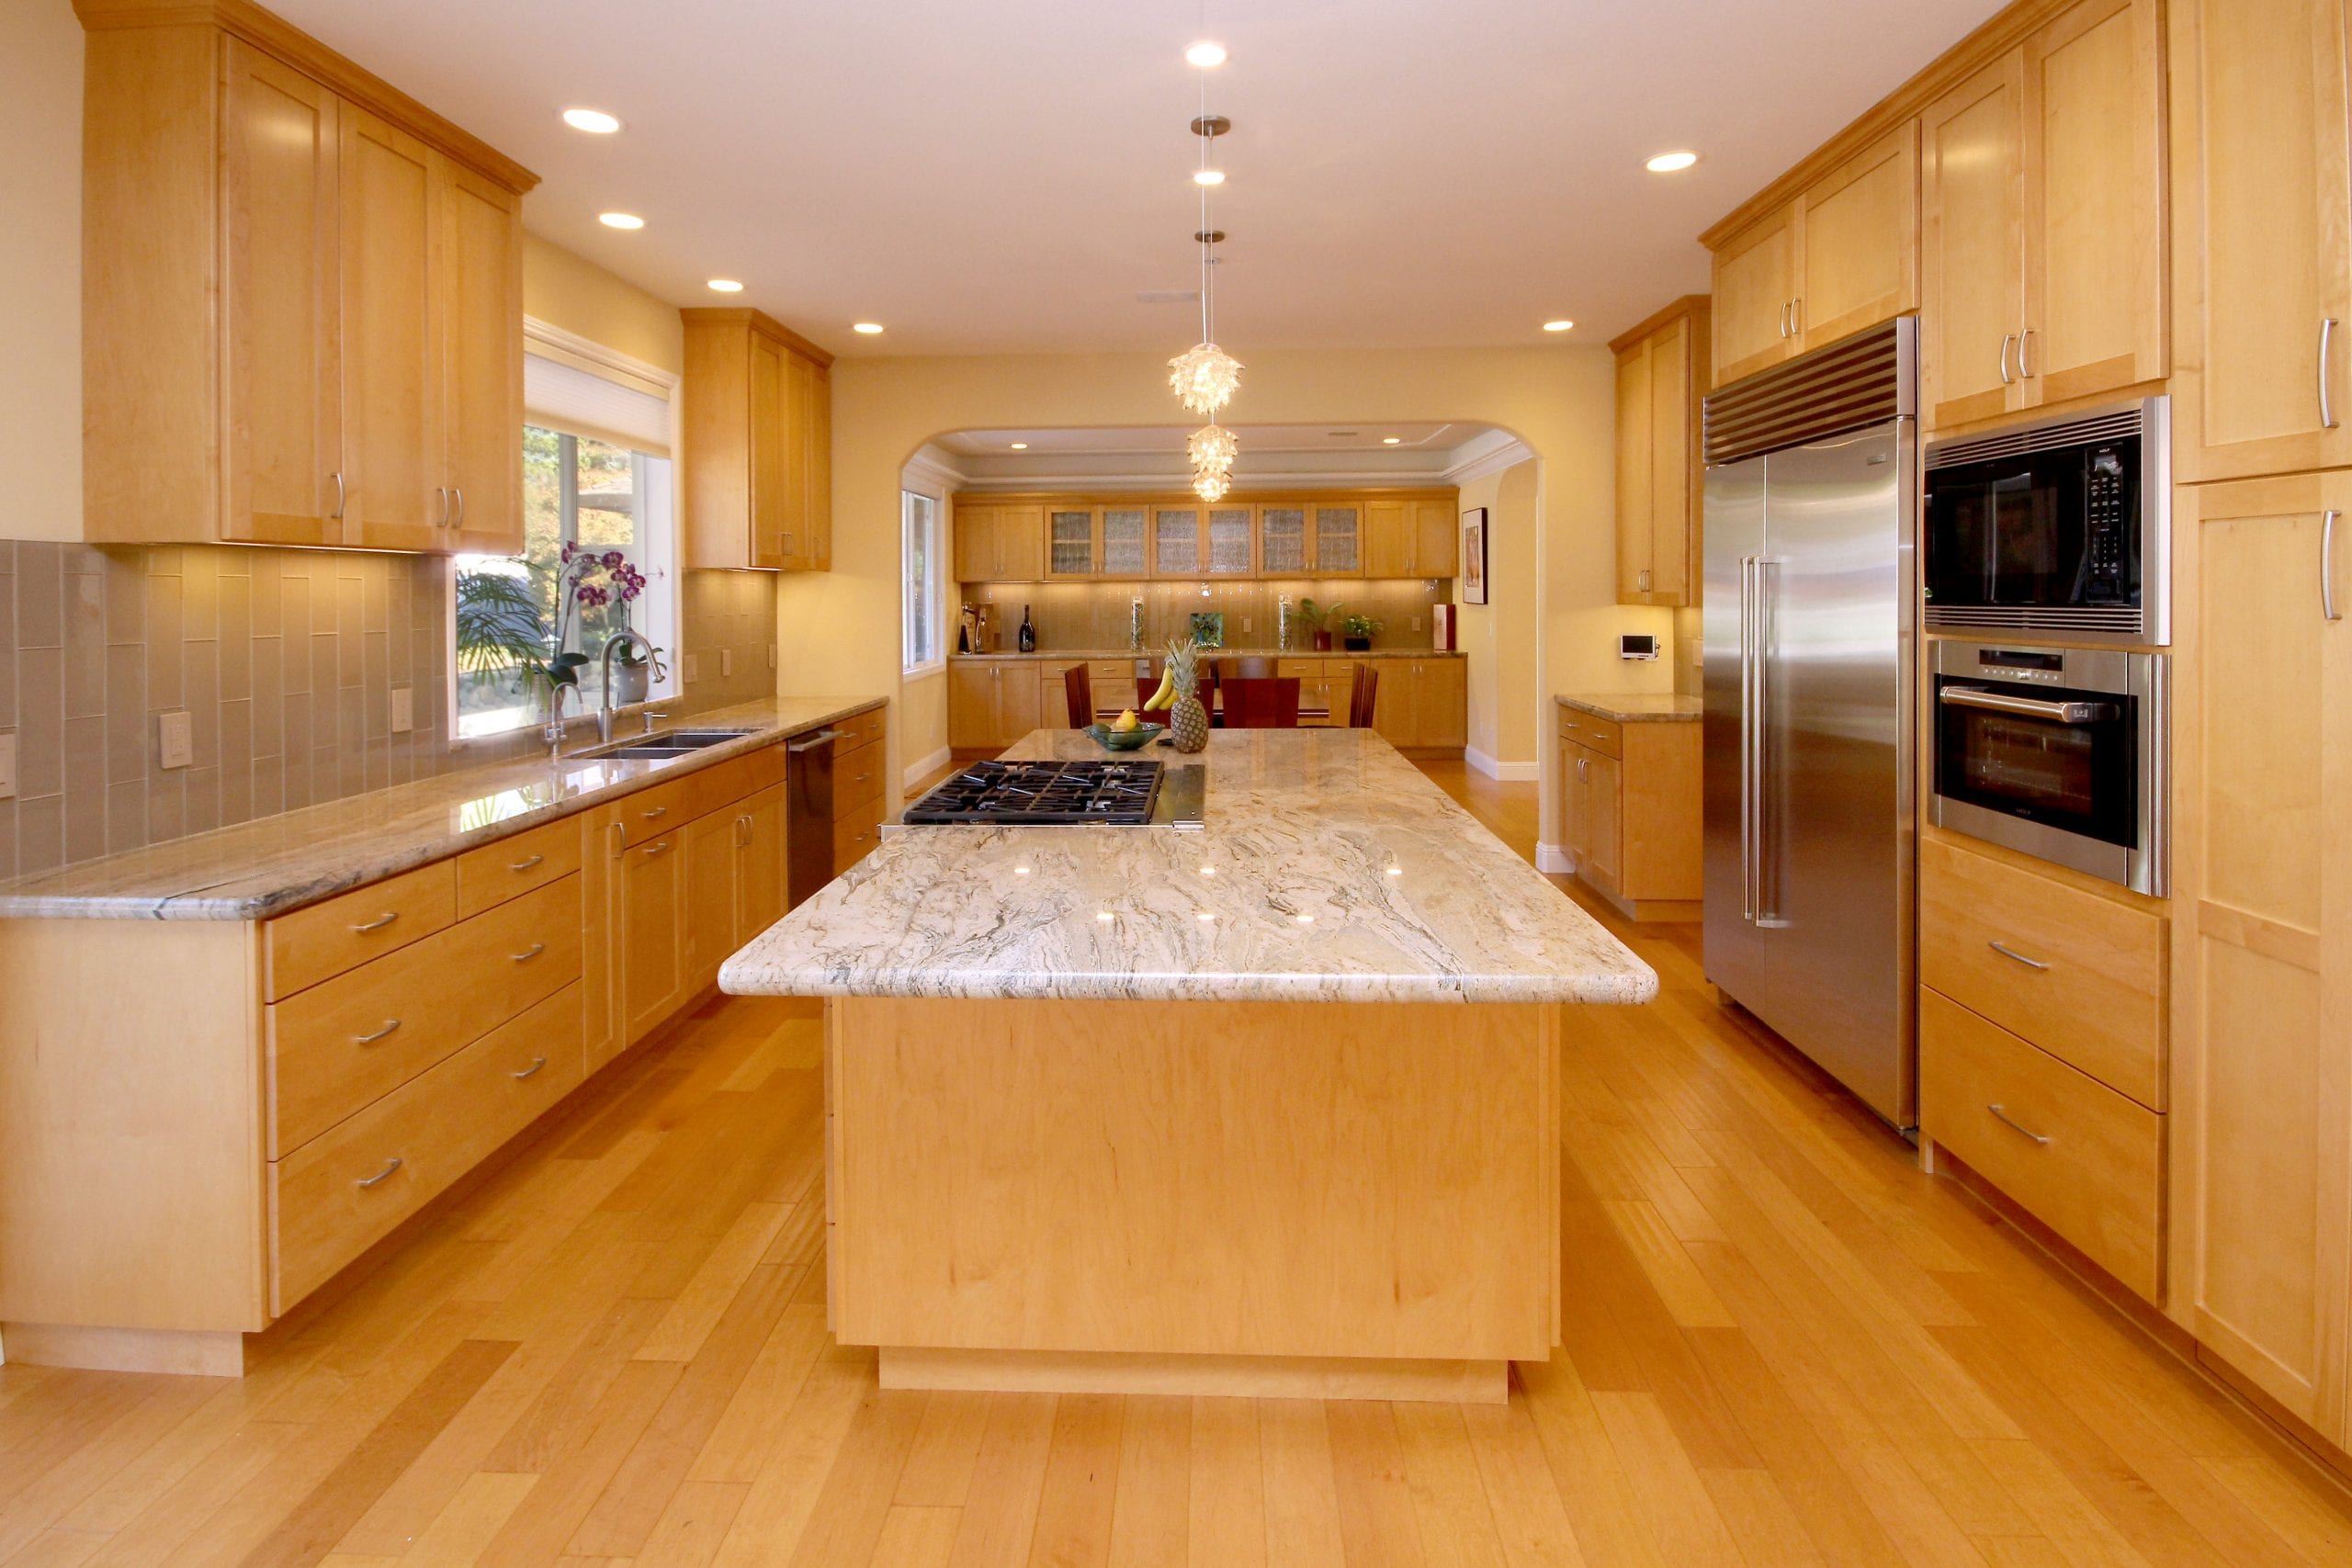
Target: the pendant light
(1204, 376)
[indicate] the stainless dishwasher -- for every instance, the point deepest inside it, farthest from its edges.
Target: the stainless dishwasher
(808, 813)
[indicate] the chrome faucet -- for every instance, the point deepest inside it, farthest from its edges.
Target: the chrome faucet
(605, 709)
(554, 731)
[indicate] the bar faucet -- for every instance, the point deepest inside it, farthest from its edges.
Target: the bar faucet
(554, 731)
(605, 709)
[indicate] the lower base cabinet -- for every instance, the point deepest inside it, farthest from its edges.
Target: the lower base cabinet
(1423, 705)
(1630, 812)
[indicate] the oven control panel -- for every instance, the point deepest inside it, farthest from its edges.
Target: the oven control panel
(2108, 527)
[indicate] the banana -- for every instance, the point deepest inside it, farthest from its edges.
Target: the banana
(1162, 697)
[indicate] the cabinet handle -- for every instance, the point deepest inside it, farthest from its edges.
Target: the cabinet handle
(1797, 318)
(526, 864)
(1784, 319)
(2009, 340)
(380, 922)
(2015, 956)
(460, 493)
(1580, 767)
(743, 831)
(371, 1039)
(1642, 581)
(338, 514)
(2327, 567)
(2025, 341)
(2006, 1118)
(537, 1063)
(654, 813)
(660, 846)
(2327, 347)
(529, 953)
(383, 1176)
(441, 493)
(619, 832)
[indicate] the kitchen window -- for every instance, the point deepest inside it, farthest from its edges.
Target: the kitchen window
(926, 606)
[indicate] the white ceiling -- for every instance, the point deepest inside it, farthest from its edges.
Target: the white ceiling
(1007, 177)
(1272, 455)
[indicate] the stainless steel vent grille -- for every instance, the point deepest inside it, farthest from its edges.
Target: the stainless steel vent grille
(2039, 438)
(2131, 622)
(1855, 381)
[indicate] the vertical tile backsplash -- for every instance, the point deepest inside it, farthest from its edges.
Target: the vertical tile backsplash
(286, 661)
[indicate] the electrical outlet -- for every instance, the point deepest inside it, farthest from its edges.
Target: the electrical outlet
(1245, 623)
(691, 668)
(403, 710)
(7, 767)
(175, 738)
(1417, 623)
(726, 662)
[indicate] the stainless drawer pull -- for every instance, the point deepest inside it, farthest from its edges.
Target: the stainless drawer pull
(380, 922)
(2005, 1117)
(371, 1039)
(652, 812)
(383, 1176)
(529, 953)
(2008, 342)
(537, 1063)
(659, 846)
(526, 863)
(2020, 957)
(2327, 610)
(2326, 344)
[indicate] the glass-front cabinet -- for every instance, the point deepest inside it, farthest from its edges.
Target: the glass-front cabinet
(1281, 540)
(1070, 541)
(1230, 552)
(1338, 531)
(1176, 541)
(1126, 533)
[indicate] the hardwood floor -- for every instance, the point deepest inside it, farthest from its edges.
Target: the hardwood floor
(1784, 1345)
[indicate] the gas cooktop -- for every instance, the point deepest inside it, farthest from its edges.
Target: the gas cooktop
(1119, 793)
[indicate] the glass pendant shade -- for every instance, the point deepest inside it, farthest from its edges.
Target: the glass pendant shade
(1203, 378)
(1211, 448)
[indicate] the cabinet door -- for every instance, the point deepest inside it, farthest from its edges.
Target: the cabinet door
(1859, 238)
(1436, 539)
(396, 494)
(1018, 708)
(1231, 531)
(603, 1026)
(819, 554)
(1672, 506)
(707, 929)
(2265, 209)
(1395, 706)
(971, 703)
(1176, 541)
(1443, 703)
(975, 542)
(760, 862)
(652, 946)
(1972, 257)
(2093, 207)
(1634, 474)
(771, 470)
(1387, 539)
(281, 300)
(1576, 817)
(1604, 805)
(1070, 540)
(1281, 540)
(1336, 542)
(2262, 967)
(1126, 532)
(799, 423)
(482, 261)
(1020, 544)
(1755, 285)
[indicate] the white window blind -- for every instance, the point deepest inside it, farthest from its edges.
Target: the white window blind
(600, 404)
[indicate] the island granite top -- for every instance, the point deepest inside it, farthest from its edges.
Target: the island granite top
(1633, 707)
(1329, 869)
(272, 865)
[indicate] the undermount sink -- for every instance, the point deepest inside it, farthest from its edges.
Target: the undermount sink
(666, 743)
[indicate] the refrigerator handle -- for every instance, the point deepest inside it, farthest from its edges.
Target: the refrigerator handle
(1747, 738)
(1767, 895)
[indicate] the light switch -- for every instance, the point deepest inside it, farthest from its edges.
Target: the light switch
(403, 710)
(175, 738)
(7, 767)
(1417, 623)
(726, 662)
(1245, 623)
(691, 668)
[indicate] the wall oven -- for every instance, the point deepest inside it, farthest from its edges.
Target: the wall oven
(2060, 525)
(2058, 752)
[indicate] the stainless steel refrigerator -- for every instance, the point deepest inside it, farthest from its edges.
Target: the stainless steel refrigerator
(1810, 633)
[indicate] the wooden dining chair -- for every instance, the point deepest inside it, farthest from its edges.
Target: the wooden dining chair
(1362, 697)
(1264, 702)
(1252, 667)
(1077, 685)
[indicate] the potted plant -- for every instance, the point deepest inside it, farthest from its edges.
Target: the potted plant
(501, 626)
(1317, 618)
(1360, 630)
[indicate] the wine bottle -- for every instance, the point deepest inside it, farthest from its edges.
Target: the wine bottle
(1028, 632)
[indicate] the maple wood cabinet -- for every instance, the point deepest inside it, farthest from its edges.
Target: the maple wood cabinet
(1029, 538)
(1410, 538)
(998, 542)
(1658, 455)
(1629, 818)
(1422, 704)
(2042, 248)
(302, 296)
(991, 702)
(756, 417)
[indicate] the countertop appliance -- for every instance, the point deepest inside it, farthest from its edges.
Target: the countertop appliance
(809, 813)
(2057, 752)
(1135, 793)
(1808, 629)
(2060, 525)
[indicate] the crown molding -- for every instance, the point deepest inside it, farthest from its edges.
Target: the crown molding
(1176, 479)
(932, 465)
(1484, 454)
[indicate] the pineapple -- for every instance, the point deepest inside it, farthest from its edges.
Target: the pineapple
(1188, 722)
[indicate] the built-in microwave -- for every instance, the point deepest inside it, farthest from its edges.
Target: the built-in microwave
(2060, 525)
(2057, 752)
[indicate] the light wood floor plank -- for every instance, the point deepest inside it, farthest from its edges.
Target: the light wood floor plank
(1151, 1513)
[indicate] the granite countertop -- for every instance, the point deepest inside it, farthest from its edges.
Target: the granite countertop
(267, 866)
(1075, 653)
(1636, 708)
(1331, 869)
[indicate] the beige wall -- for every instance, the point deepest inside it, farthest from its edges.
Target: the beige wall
(1499, 637)
(41, 267)
(571, 292)
(839, 631)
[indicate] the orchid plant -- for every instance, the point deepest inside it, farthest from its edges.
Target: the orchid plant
(500, 622)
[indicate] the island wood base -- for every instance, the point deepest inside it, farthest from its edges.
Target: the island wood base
(1219, 1197)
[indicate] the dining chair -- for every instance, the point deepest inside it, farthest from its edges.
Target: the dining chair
(1251, 667)
(1264, 702)
(1362, 697)
(1077, 685)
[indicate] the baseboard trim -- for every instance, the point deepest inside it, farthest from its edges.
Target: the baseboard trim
(1265, 1377)
(205, 1353)
(923, 767)
(1552, 857)
(1501, 771)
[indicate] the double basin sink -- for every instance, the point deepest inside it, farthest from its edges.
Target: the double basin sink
(665, 743)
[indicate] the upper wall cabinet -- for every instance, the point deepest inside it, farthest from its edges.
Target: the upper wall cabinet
(758, 421)
(1388, 534)
(2262, 238)
(302, 314)
(1658, 461)
(1838, 256)
(2042, 199)
(1413, 537)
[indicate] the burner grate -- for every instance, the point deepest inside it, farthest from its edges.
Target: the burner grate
(1043, 794)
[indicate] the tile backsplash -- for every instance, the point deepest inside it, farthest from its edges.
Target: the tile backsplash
(1095, 615)
(285, 661)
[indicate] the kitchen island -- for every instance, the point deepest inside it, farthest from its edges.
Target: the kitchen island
(1267, 1107)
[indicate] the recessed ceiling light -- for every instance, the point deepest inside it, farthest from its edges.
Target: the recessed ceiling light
(727, 286)
(621, 220)
(870, 329)
(596, 122)
(1557, 326)
(1390, 440)
(1670, 163)
(1021, 446)
(1206, 55)
(1209, 177)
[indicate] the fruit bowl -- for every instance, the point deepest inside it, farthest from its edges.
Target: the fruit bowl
(1134, 740)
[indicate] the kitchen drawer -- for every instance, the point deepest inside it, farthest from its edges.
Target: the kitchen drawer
(309, 945)
(1310, 669)
(1604, 736)
(2080, 1158)
(414, 1143)
(653, 811)
(854, 837)
(511, 868)
(339, 1046)
(2080, 976)
(1110, 673)
(861, 729)
(857, 779)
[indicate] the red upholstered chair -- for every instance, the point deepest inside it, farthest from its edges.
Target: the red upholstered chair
(1362, 697)
(1265, 702)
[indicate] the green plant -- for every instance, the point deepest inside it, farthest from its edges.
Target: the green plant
(498, 624)
(1361, 625)
(1317, 618)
